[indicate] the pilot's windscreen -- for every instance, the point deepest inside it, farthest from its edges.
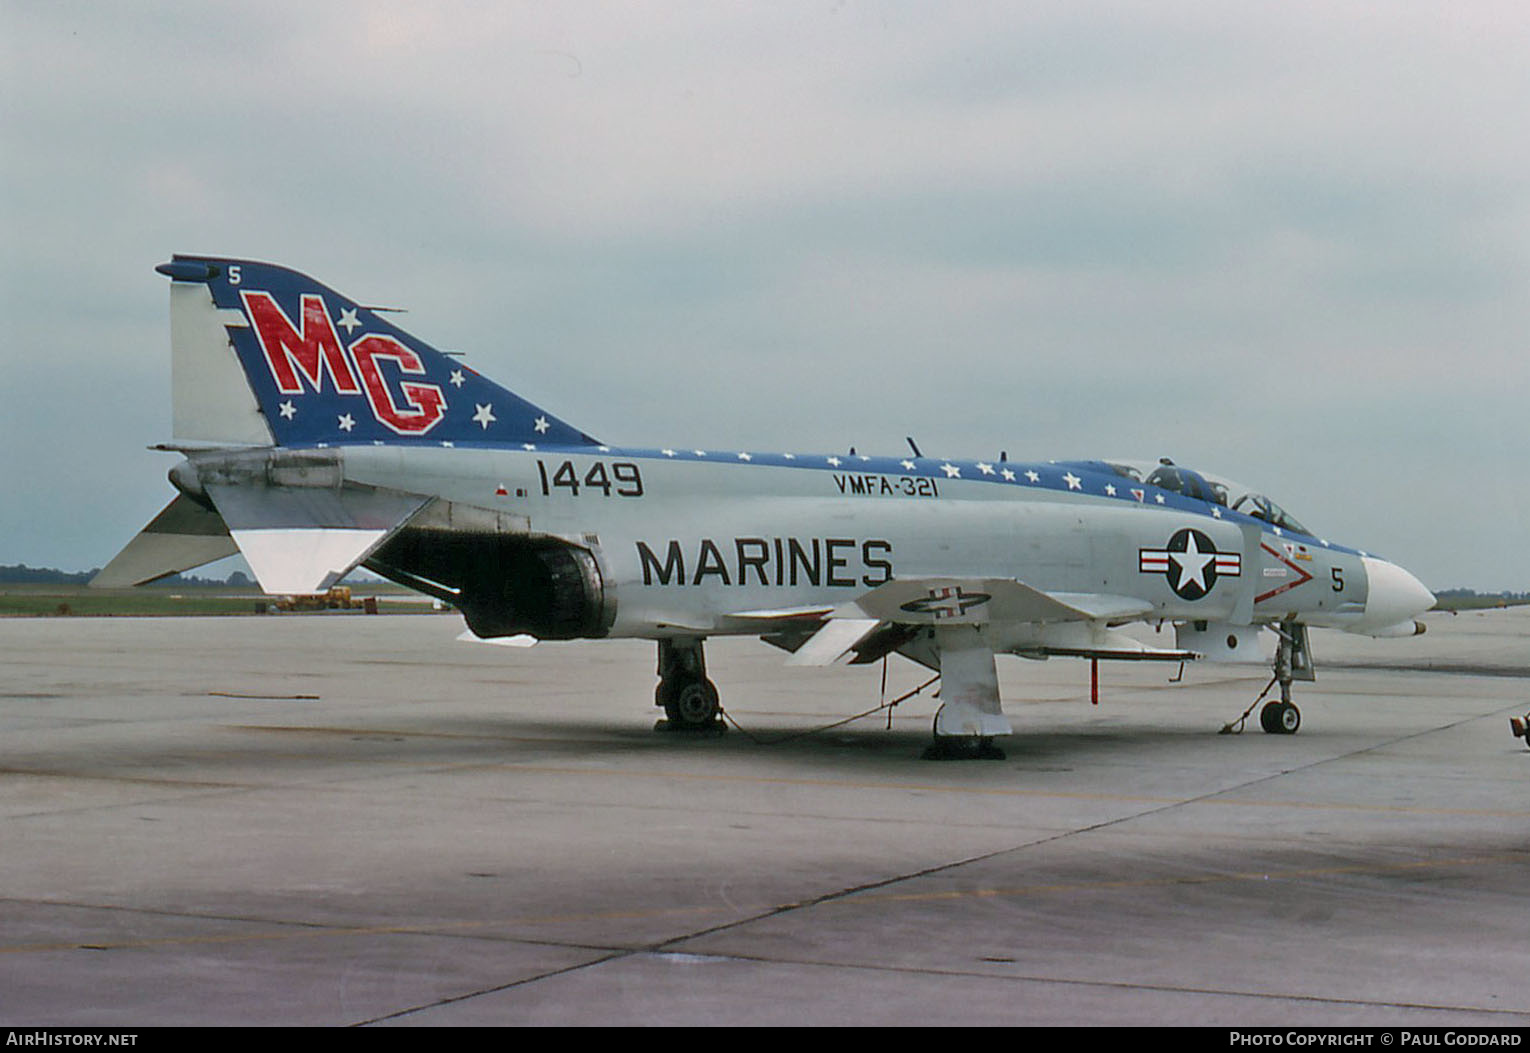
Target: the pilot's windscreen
(1261, 507)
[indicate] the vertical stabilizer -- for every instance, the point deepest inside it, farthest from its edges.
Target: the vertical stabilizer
(265, 355)
(210, 400)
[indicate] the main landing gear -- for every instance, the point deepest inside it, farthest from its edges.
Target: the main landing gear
(960, 747)
(689, 699)
(970, 716)
(1293, 661)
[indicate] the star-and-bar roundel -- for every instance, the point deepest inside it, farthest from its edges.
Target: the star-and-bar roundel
(949, 601)
(1190, 562)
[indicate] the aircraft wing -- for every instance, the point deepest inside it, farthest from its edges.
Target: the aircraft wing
(976, 601)
(892, 616)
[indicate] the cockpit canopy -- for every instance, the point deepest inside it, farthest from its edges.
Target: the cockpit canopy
(1204, 487)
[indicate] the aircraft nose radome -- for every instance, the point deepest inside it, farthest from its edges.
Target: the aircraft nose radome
(1393, 596)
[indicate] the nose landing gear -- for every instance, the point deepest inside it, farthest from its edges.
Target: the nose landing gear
(1293, 661)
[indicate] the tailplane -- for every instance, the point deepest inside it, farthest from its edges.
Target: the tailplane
(320, 369)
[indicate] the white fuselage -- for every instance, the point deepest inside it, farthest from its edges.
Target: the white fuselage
(687, 541)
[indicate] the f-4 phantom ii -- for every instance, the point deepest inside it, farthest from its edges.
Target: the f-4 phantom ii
(318, 436)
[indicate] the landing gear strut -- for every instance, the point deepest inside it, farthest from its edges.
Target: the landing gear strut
(970, 715)
(1292, 662)
(689, 699)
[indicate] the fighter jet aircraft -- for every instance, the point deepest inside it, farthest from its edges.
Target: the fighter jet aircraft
(318, 436)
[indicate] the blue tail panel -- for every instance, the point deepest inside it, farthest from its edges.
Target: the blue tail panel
(324, 369)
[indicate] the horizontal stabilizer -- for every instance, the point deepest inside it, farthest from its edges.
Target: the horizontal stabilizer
(304, 560)
(184, 535)
(304, 539)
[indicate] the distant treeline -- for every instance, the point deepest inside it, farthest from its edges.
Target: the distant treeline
(1472, 594)
(21, 574)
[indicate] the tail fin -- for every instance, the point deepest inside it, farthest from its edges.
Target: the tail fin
(320, 368)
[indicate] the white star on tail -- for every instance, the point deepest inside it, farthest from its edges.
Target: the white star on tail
(541, 425)
(348, 320)
(288, 410)
(1073, 481)
(485, 415)
(346, 422)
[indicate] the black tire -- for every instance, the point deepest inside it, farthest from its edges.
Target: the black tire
(1269, 718)
(691, 704)
(1280, 718)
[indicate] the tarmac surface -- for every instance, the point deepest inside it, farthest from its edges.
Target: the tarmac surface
(341, 819)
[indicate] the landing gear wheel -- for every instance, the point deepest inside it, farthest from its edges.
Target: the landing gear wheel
(688, 698)
(961, 747)
(690, 705)
(1280, 718)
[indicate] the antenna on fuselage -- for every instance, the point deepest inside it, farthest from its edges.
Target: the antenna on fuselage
(913, 445)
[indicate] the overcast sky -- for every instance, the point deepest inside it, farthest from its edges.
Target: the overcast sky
(1287, 243)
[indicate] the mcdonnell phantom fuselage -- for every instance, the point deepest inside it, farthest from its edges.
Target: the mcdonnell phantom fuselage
(318, 436)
